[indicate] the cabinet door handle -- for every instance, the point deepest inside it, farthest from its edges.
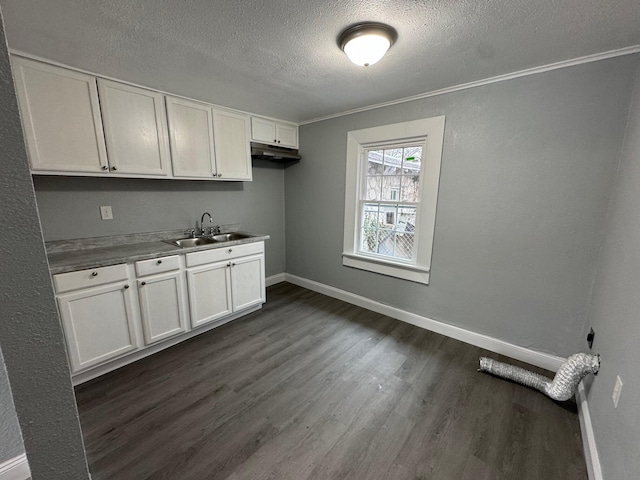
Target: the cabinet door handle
(114, 168)
(94, 274)
(219, 175)
(233, 264)
(126, 286)
(159, 262)
(104, 167)
(230, 250)
(143, 283)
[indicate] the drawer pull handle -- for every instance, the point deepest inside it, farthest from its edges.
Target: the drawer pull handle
(94, 274)
(230, 250)
(159, 262)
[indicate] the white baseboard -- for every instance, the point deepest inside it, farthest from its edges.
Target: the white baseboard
(16, 468)
(273, 279)
(588, 436)
(532, 357)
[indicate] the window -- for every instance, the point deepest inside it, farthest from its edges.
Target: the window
(393, 173)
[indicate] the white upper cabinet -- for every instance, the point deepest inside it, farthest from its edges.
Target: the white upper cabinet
(61, 118)
(191, 135)
(208, 142)
(287, 135)
(135, 129)
(274, 133)
(231, 139)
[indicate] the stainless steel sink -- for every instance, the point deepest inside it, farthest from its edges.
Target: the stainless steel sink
(205, 240)
(229, 237)
(191, 242)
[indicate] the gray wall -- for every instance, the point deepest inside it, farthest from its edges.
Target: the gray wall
(526, 172)
(10, 436)
(69, 206)
(30, 332)
(615, 314)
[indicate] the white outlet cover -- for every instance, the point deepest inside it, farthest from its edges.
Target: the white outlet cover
(617, 389)
(106, 213)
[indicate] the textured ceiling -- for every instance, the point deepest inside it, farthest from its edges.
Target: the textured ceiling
(279, 57)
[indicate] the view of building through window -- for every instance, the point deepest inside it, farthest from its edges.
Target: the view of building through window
(391, 200)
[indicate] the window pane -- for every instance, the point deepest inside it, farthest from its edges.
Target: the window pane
(389, 217)
(406, 219)
(412, 160)
(392, 161)
(404, 245)
(410, 189)
(386, 242)
(390, 184)
(374, 162)
(374, 187)
(369, 228)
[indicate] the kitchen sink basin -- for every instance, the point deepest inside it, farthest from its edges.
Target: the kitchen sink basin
(204, 240)
(229, 237)
(191, 242)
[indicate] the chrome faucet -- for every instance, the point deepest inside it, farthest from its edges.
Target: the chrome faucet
(213, 229)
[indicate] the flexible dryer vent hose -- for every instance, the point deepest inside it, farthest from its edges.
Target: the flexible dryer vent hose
(563, 385)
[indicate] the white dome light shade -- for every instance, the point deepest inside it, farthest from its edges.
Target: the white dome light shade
(367, 49)
(366, 43)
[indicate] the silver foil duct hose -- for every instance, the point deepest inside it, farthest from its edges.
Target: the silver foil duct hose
(563, 385)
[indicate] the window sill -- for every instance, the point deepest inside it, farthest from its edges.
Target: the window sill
(412, 273)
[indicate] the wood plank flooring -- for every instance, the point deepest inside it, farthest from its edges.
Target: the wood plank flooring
(314, 388)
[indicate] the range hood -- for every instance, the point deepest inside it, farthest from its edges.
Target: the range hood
(262, 151)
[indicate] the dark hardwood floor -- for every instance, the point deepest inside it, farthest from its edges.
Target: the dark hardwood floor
(313, 388)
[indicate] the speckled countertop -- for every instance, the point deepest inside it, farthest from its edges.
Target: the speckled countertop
(80, 254)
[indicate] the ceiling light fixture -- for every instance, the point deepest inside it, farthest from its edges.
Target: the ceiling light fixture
(366, 43)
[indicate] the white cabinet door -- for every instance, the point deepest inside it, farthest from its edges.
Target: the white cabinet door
(232, 138)
(61, 118)
(274, 133)
(191, 136)
(287, 135)
(135, 129)
(247, 281)
(209, 292)
(263, 130)
(98, 324)
(163, 306)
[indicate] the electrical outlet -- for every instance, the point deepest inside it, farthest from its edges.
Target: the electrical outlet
(590, 336)
(106, 213)
(617, 389)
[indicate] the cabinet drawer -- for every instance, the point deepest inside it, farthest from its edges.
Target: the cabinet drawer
(157, 265)
(65, 282)
(221, 254)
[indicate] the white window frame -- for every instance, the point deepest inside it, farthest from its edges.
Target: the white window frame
(357, 141)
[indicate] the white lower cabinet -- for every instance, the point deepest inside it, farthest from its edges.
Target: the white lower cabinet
(163, 306)
(99, 323)
(247, 282)
(209, 293)
(107, 320)
(225, 281)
